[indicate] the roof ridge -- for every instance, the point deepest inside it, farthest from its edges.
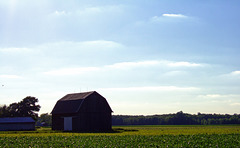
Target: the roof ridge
(82, 92)
(76, 96)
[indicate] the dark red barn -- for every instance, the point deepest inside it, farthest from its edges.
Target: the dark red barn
(87, 111)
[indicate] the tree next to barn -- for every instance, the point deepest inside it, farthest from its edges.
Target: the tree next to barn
(25, 108)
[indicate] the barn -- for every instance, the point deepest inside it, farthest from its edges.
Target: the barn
(17, 124)
(86, 111)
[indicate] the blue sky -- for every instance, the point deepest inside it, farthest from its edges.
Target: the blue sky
(145, 57)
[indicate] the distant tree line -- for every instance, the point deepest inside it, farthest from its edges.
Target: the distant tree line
(44, 119)
(25, 108)
(178, 118)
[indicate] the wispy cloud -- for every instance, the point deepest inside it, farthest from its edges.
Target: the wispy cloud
(235, 73)
(184, 64)
(90, 11)
(220, 96)
(175, 73)
(102, 43)
(124, 66)
(71, 71)
(168, 17)
(10, 76)
(174, 15)
(60, 13)
(15, 50)
(119, 66)
(152, 88)
(235, 104)
(127, 65)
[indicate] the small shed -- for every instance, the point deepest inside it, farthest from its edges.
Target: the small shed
(86, 111)
(17, 124)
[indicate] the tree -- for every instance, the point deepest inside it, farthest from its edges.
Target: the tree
(25, 108)
(4, 111)
(45, 119)
(28, 107)
(13, 110)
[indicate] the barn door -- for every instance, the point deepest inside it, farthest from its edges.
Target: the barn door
(68, 123)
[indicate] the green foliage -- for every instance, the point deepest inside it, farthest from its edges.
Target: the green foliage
(128, 136)
(201, 140)
(45, 120)
(179, 118)
(25, 108)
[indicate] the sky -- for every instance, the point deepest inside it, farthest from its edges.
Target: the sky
(144, 57)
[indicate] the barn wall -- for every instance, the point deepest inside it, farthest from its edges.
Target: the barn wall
(95, 103)
(95, 114)
(57, 122)
(79, 123)
(17, 126)
(92, 121)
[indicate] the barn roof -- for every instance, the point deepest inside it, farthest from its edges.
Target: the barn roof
(76, 96)
(71, 103)
(17, 120)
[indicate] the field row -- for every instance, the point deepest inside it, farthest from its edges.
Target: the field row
(128, 136)
(200, 140)
(135, 130)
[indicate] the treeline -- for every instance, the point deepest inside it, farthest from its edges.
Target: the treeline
(44, 120)
(178, 118)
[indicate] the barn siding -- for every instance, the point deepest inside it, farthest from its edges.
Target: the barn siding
(92, 121)
(57, 122)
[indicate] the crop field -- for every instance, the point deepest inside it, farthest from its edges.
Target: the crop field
(128, 136)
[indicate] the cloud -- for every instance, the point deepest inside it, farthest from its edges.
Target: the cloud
(163, 64)
(214, 96)
(10, 76)
(15, 50)
(235, 104)
(231, 75)
(183, 64)
(152, 88)
(102, 43)
(71, 71)
(220, 96)
(174, 15)
(175, 73)
(168, 18)
(235, 73)
(127, 65)
(90, 11)
(60, 13)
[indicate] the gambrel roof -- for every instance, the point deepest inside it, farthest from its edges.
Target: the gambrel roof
(71, 103)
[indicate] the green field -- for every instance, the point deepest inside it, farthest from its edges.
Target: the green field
(128, 136)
